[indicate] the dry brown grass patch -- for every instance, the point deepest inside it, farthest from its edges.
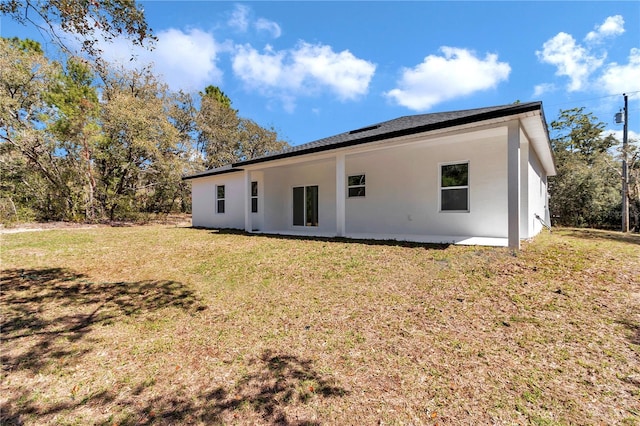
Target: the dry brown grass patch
(169, 325)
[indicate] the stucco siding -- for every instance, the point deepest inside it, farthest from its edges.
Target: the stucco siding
(403, 193)
(204, 202)
(537, 193)
(402, 190)
(278, 195)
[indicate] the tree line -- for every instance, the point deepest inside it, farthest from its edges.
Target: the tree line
(81, 142)
(85, 140)
(587, 191)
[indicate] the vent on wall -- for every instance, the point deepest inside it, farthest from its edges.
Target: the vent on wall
(364, 129)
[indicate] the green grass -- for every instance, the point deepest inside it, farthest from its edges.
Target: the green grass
(173, 325)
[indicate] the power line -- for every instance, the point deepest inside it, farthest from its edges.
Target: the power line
(592, 99)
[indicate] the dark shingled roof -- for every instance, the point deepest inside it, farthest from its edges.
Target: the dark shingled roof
(217, 171)
(403, 126)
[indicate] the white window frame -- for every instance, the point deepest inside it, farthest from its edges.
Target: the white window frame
(363, 186)
(223, 199)
(467, 186)
(254, 197)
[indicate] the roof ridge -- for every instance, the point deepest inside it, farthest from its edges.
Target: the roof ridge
(493, 107)
(373, 126)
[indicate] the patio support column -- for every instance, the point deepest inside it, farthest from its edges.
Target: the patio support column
(341, 185)
(247, 201)
(513, 183)
(524, 186)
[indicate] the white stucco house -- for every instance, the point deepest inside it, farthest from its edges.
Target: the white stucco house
(476, 176)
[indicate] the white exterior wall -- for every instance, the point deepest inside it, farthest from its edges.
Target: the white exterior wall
(403, 193)
(204, 201)
(278, 196)
(537, 193)
(402, 190)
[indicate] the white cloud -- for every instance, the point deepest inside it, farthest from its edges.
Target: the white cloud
(258, 69)
(622, 78)
(342, 72)
(459, 72)
(582, 62)
(239, 19)
(571, 60)
(541, 89)
(303, 70)
(187, 60)
(632, 137)
(183, 59)
(268, 26)
(612, 26)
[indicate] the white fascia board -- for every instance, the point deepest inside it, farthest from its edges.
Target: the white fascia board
(537, 134)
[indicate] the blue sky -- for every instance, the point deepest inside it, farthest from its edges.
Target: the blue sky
(314, 69)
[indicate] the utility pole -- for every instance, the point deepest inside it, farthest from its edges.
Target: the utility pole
(625, 172)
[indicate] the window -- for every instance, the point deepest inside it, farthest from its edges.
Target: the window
(454, 187)
(220, 198)
(254, 197)
(356, 186)
(305, 206)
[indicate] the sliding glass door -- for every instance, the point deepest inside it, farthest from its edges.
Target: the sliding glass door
(305, 205)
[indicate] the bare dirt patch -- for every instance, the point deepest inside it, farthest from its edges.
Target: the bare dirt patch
(173, 219)
(45, 226)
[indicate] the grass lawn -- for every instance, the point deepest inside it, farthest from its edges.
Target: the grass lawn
(172, 325)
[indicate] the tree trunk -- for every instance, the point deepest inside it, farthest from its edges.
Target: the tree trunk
(90, 207)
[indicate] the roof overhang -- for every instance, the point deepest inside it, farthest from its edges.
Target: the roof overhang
(535, 126)
(213, 172)
(461, 121)
(530, 115)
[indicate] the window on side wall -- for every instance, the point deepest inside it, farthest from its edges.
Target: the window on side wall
(454, 187)
(220, 198)
(254, 197)
(356, 186)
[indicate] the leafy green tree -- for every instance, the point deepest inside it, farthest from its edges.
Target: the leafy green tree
(15, 186)
(25, 78)
(214, 92)
(224, 137)
(633, 179)
(74, 125)
(585, 194)
(633, 162)
(217, 128)
(577, 131)
(139, 157)
(182, 116)
(91, 20)
(69, 154)
(256, 141)
(586, 190)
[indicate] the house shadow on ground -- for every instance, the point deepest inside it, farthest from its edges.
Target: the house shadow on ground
(393, 243)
